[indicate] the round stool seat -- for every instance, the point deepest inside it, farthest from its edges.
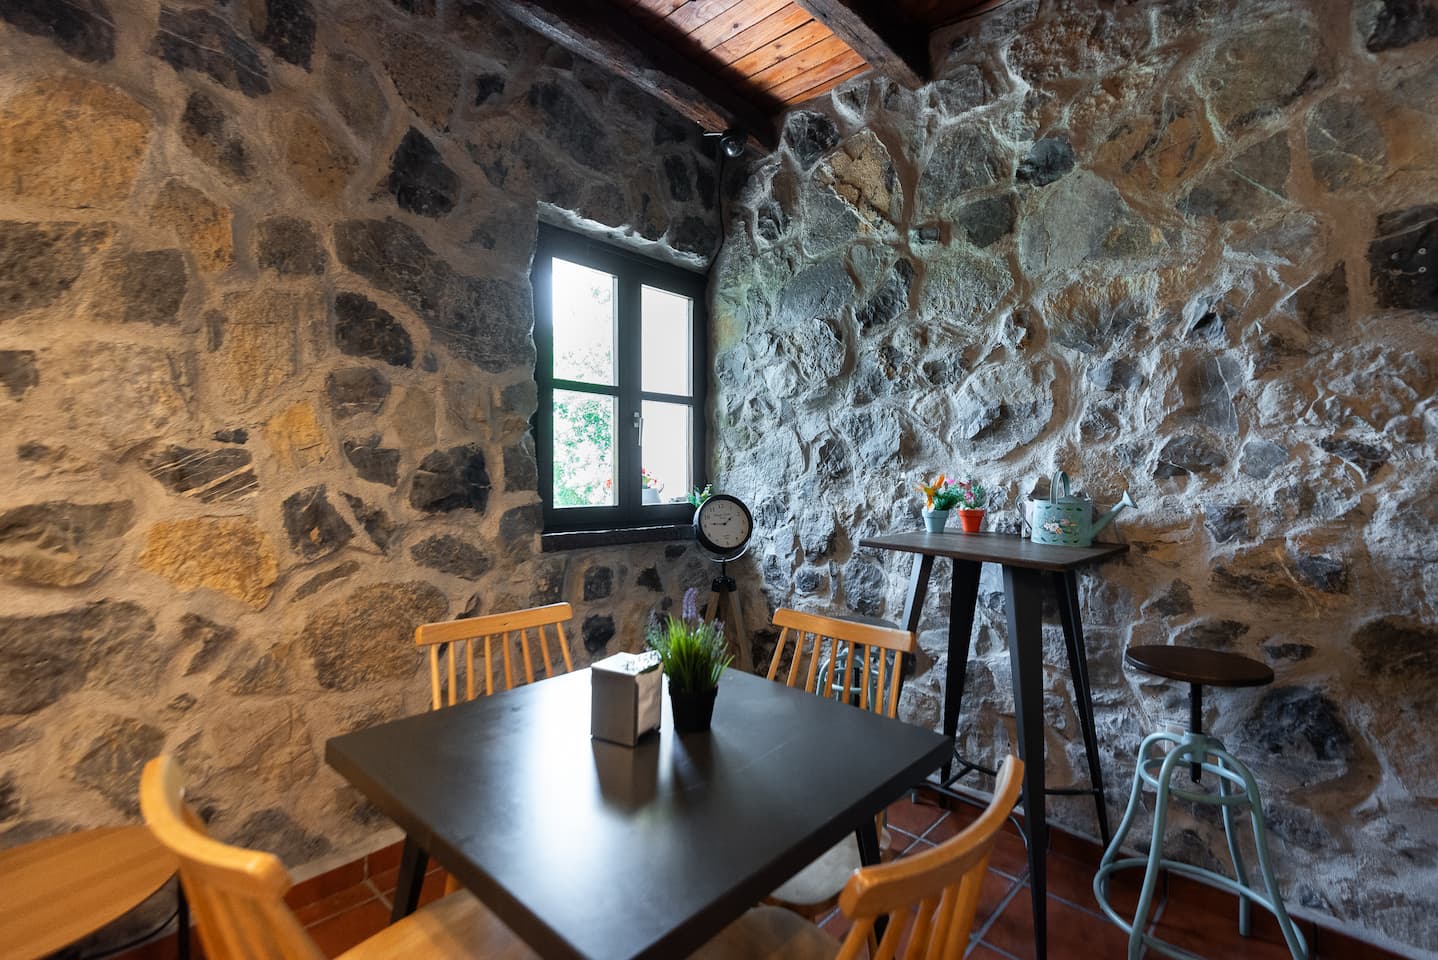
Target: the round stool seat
(1212, 668)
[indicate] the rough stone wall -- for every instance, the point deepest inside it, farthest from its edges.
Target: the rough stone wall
(266, 371)
(1189, 249)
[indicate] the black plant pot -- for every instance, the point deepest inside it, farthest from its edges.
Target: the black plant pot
(692, 710)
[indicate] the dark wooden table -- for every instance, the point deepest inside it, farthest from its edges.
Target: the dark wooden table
(1025, 565)
(590, 849)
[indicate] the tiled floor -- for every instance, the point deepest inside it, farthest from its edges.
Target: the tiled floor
(344, 907)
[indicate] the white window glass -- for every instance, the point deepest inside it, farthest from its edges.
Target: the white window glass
(667, 450)
(584, 323)
(667, 358)
(584, 450)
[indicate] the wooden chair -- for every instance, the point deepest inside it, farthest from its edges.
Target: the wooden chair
(237, 896)
(870, 677)
(929, 900)
(509, 632)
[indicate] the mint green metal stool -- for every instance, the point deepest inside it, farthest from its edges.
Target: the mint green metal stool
(1199, 752)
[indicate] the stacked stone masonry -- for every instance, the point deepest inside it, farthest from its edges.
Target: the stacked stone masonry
(1188, 249)
(266, 374)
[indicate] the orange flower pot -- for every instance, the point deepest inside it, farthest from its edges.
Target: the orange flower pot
(971, 520)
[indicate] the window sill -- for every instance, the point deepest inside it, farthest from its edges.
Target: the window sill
(582, 539)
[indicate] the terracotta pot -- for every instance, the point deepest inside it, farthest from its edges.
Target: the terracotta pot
(971, 520)
(692, 710)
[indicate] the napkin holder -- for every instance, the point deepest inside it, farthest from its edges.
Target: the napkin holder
(625, 698)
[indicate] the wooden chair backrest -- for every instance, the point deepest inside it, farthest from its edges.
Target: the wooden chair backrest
(460, 637)
(943, 883)
(237, 895)
(824, 637)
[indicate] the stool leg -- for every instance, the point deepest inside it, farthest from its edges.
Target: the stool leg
(1171, 762)
(1291, 936)
(1230, 832)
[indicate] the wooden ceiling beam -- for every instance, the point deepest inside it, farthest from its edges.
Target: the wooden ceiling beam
(878, 31)
(601, 34)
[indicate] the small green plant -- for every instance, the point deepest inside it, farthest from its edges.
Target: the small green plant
(697, 497)
(972, 495)
(694, 652)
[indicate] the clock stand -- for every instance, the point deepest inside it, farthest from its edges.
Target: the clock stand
(724, 603)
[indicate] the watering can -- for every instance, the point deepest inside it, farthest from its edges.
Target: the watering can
(1068, 520)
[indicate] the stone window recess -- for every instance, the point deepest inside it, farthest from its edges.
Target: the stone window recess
(621, 366)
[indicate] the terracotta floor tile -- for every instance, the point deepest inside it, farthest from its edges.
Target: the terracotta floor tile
(900, 842)
(335, 903)
(982, 951)
(1072, 880)
(342, 931)
(433, 887)
(386, 858)
(913, 817)
(1213, 935)
(836, 924)
(1072, 933)
(326, 884)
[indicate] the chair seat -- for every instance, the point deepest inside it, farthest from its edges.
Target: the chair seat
(454, 926)
(821, 881)
(769, 933)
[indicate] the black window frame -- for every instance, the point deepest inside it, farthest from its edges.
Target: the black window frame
(633, 272)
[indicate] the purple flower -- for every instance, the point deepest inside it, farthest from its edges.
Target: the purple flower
(690, 609)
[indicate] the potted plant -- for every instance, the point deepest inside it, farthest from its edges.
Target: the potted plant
(697, 497)
(972, 497)
(940, 497)
(694, 654)
(651, 484)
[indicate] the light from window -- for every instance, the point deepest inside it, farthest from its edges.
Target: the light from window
(668, 355)
(668, 447)
(584, 322)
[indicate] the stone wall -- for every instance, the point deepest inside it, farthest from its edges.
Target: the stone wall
(266, 372)
(1186, 248)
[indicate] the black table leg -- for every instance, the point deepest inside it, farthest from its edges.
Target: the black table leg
(1024, 599)
(963, 598)
(918, 590)
(1066, 586)
(870, 854)
(182, 921)
(412, 864)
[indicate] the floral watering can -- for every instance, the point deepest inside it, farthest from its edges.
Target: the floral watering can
(1068, 520)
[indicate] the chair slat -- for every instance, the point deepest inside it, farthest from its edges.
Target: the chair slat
(544, 652)
(564, 646)
(434, 702)
(864, 682)
(488, 666)
(453, 678)
(811, 681)
(469, 668)
(508, 667)
(528, 663)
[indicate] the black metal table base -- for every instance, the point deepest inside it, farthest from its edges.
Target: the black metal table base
(1023, 601)
(413, 862)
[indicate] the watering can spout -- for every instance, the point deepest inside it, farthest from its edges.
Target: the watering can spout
(1107, 518)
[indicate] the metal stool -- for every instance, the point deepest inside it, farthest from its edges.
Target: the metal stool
(1157, 769)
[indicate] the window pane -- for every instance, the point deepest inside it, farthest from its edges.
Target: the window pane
(584, 323)
(583, 449)
(668, 444)
(668, 362)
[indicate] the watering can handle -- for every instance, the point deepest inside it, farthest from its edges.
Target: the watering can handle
(1059, 476)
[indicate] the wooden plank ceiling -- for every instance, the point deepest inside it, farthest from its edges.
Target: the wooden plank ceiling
(743, 63)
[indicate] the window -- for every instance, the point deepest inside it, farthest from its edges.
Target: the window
(621, 370)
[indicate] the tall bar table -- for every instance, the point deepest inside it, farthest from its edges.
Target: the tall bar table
(1025, 565)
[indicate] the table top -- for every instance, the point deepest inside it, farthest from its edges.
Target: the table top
(1216, 668)
(591, 849)
(62, 889)
(1005, 548)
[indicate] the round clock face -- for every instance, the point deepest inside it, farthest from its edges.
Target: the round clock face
(723, 524)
